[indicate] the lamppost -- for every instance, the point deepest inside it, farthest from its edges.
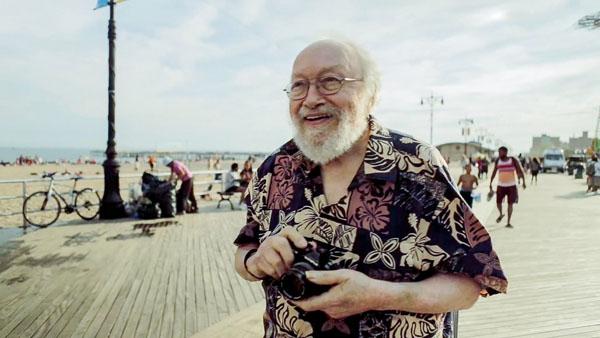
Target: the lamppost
(432, 101)
(112, 204)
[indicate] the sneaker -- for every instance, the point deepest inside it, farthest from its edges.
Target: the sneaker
(509, 226)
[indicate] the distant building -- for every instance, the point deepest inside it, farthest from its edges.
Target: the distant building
(580, 144)
(454, 151)
(541, 143)
(575, 144)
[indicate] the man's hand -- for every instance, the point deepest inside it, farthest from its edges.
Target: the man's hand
(524, 185)
(352, 292)
(275, 255)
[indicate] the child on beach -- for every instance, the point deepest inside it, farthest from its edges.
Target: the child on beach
(467, 182)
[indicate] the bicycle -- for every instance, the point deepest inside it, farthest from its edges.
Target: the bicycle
(42, 208)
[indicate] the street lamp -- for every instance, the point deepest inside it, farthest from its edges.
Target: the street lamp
(112, 204)
(432, 101)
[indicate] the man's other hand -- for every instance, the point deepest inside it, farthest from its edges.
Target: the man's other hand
(275, 256)
(352, 292)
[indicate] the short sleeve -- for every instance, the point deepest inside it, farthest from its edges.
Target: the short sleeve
(468, 245)
(250, 232)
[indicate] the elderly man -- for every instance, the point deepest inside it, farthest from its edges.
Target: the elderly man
(407, 250)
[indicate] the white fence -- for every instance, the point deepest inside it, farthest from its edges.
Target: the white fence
(25, 191)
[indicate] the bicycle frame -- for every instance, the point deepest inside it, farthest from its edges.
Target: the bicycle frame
(69, 207)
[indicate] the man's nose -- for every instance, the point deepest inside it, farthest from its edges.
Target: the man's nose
(313, 97)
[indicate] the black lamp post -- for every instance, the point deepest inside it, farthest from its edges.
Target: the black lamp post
(112, 204)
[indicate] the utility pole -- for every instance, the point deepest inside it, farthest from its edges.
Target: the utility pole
(432, 101)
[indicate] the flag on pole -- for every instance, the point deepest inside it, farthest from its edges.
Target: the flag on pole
(104, 3)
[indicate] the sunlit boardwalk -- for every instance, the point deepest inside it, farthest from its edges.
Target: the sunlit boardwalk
(109, 280)
(550, 257)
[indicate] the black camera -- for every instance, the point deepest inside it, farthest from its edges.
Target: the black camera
(316, 256)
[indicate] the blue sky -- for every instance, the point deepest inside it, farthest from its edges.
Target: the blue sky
(207, 75)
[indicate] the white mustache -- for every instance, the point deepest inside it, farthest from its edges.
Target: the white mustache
(324, 109)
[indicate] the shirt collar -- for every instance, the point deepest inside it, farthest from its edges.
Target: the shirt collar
(380, 157)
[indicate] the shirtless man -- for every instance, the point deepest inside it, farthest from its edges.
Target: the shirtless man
(467, 182)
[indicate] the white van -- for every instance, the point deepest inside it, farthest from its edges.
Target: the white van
(554, 160)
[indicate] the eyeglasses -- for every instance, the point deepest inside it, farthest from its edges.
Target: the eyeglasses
(327, 85)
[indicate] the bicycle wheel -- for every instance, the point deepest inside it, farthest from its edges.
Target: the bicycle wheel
(40, 211)
(87, 203)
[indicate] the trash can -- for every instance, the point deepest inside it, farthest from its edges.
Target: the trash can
(579, 172)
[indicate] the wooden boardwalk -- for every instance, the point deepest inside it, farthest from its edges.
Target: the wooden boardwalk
(105, 279)
(551, 259)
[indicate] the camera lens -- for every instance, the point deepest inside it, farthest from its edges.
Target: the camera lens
(293, 283)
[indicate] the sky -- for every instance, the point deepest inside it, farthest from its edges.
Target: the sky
(208, 75)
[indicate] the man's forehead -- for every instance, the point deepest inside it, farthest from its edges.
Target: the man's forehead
(325, 56)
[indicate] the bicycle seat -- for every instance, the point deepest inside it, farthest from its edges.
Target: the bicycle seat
(50, 175)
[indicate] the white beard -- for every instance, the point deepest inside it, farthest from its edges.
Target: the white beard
(322, 145)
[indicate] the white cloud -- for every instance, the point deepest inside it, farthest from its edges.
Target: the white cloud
(209, 74)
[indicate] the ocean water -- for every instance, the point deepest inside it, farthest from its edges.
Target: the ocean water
(10, 154)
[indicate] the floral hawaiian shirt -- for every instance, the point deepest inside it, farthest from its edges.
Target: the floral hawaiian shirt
(402, 220)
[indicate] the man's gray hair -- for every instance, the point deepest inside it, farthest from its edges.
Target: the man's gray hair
(371, 76)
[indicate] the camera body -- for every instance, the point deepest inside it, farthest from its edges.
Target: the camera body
(316, 256)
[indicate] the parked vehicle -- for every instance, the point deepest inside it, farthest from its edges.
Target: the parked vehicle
(574, 161)
(554, 160)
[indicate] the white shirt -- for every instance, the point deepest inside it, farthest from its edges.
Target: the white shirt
(232, 179)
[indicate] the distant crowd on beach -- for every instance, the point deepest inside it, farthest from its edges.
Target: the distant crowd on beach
(23, 160)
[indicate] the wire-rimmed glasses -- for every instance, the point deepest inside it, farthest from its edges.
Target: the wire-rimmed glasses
(327, 85)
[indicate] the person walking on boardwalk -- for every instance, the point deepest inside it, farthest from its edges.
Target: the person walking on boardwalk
(186, 190)
(506, 167)
(356, 230)
(467, 182)
(535, 169)
(151, 162)
(593, 174)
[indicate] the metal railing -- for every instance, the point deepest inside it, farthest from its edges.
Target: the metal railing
(25, 182)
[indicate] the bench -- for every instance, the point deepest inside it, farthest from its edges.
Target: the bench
(225, 196)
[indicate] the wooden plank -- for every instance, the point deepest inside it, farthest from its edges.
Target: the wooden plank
(143, 263)
(19, 298)
(222, 307)
(57, 320)
(199, 289)
(83, 301)
(151, 317)
(180, 293)
(168, 314)
(191, 326)
(28, 314)
(229, 277)
(96, 314)
(207, 286)
(126, 328)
